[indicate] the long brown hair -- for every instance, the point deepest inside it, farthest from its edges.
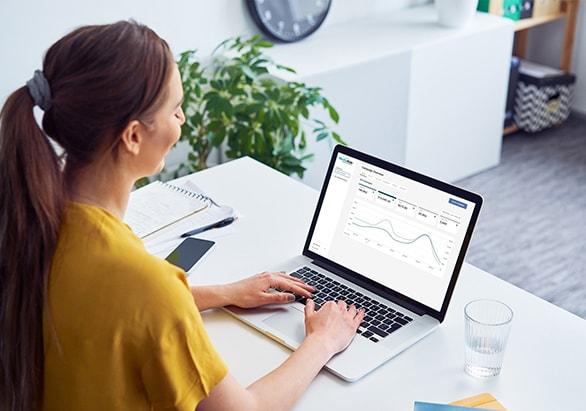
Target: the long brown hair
(100, 78)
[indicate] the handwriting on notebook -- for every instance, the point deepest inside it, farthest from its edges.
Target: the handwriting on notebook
(159, 205)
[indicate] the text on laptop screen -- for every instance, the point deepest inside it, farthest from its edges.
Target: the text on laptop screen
(398, 232)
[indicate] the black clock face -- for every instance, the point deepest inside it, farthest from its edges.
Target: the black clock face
(288, 20)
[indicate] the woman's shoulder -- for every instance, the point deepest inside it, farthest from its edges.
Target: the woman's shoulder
(93, 224)
(98, 253)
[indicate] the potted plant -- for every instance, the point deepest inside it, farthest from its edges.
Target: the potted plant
(234, 103)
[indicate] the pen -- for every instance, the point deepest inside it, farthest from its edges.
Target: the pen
(219, 224)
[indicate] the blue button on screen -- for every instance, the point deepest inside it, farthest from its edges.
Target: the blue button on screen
(458, 203)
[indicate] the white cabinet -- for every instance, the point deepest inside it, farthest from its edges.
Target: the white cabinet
(409, 90)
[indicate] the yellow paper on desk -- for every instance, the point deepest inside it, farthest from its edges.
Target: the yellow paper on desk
(484, 401)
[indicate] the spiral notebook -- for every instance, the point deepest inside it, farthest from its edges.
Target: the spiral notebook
(159, 205)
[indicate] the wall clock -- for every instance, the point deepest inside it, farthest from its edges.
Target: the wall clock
(288, 20)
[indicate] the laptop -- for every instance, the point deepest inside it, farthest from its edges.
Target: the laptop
(384, 238)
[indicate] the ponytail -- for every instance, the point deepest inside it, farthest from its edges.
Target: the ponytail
(31, 207)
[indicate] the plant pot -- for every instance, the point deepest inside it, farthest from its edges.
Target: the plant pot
(455, 13)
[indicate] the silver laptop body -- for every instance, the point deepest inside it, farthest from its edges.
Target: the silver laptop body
(392, 239)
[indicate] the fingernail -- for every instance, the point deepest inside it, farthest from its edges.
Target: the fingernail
(290, 297)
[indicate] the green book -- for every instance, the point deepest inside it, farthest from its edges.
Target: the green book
(512, 9)
(483, 5)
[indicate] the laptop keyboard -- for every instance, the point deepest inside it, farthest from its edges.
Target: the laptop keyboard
(379, 321)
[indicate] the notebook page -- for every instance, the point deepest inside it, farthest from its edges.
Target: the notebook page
(166, 240)
(156, 205)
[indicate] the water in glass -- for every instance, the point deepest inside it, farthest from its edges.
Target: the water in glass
(487, 329)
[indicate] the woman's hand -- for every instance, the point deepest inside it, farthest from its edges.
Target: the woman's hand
(334, 325)
(254, 291)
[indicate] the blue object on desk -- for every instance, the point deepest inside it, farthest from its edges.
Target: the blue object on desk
(219, 224)
(427, 406)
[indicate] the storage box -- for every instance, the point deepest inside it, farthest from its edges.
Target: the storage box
(543, 97)
(546, 7)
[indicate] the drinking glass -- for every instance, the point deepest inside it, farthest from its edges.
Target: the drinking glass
(488, 323)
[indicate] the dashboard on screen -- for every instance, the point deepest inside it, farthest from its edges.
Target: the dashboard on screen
(398, 232)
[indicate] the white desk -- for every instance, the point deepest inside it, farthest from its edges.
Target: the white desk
(545, 362)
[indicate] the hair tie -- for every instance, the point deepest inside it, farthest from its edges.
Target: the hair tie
(38, 88)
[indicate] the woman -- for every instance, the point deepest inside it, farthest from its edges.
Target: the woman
(88, 319)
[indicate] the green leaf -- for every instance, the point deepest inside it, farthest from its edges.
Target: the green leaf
(264, 44)
(338, 139)
(322, 135)
(285, 68)
(258, 96)
(303, 142)
(141, 182)
(216, 138)
(333, 114)
(248, 72)
(291, 161)
(259, 143)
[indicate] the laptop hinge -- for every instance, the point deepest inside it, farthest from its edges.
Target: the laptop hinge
(395, 299)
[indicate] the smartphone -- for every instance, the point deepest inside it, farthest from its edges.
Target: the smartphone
(189, 252)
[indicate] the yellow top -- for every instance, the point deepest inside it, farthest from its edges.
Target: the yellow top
(122, 331)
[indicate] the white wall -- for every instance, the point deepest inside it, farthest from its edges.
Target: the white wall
(29, 27)
(545, 43)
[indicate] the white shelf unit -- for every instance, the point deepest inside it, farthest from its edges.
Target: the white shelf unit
(410, 91)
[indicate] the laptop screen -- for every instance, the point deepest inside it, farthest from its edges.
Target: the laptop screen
(395, 231)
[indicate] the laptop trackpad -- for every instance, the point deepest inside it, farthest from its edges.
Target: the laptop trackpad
(290, 323)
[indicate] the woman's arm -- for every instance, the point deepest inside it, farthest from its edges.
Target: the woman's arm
(211, 296)
(329, 330)
(251, 292)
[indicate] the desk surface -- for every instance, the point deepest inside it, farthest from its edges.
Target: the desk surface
(545, 362)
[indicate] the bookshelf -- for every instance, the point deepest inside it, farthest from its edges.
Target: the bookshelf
(568, 12)
(537, 21)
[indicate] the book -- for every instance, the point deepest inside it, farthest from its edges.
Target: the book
(481, 401)
(428, 406)
(485, 401)
(159, 205)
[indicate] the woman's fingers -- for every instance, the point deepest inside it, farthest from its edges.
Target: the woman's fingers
(272, 298)
(352, 310)
(296, 288)
(342, 305)
(309, 308)
(296, 280)
(285, 275)
(359, 317)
